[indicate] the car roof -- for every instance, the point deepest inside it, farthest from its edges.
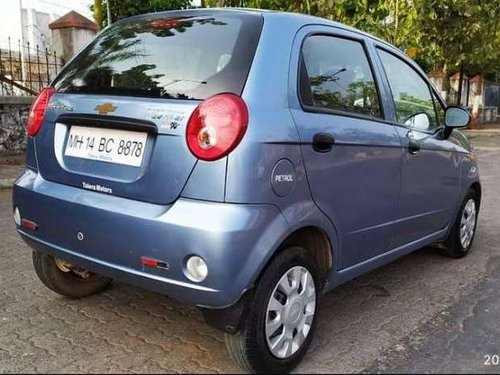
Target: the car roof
(308, 19)
(297, 17)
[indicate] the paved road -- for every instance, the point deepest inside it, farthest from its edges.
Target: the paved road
(423, 313)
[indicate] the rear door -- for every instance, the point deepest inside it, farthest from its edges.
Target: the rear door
(352, 156)
(117, 122)
(431, 177)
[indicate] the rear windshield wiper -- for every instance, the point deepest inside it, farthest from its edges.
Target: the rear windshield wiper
(184, 80)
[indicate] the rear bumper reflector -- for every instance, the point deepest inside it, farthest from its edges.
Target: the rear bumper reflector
(150, 262)
(28, 224)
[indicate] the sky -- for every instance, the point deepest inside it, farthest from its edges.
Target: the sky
(81, 6)
(64, 6)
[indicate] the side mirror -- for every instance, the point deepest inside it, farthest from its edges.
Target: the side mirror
(455, 117)
(418, 121)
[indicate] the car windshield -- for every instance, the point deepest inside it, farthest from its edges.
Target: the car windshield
(178, 57)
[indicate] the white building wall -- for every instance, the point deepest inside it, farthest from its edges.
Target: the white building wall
(36, 28)
(81, 37)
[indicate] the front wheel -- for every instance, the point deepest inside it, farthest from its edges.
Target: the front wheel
(281, 321)
(459, 242)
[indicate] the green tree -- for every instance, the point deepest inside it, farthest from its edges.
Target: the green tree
(461, 35)
(391, 20)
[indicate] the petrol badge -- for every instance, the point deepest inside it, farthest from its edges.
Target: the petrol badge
(283, 178)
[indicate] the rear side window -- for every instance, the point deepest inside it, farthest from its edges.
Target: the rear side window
(168, 56)
(415, 106)
(336, 75)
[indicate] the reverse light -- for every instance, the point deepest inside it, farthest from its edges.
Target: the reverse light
(217, 126)
(196, 269)
(38, 110)
(17, 216)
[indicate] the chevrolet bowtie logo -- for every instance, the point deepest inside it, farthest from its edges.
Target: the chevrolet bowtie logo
(105, 108)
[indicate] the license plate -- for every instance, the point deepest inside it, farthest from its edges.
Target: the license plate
(108, 145)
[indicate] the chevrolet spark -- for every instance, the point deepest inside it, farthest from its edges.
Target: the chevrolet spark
(242, 161)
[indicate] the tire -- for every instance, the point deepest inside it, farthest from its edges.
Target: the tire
(457, 245)
(249, 348)
(68, 284)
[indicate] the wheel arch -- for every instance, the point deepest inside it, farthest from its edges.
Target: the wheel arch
(311, 237)
(476, 187)
(315, 240)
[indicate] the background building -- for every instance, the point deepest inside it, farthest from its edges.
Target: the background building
(28, 20)
(37, 37)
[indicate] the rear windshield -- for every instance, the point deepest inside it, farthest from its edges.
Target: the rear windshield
(174, 55)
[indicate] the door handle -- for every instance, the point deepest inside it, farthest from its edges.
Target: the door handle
(413, 147)
(323, 142)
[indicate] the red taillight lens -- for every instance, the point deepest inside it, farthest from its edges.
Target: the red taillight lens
(37, 111)
(216, 126)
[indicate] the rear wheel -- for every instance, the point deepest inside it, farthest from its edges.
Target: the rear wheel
(459, 242)
(67, 279)
(281, 321)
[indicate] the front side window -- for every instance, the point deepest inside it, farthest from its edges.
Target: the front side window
(336, 75)
(415, 106)
(440, 110)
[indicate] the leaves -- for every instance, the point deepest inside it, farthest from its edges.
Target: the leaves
(461, 33)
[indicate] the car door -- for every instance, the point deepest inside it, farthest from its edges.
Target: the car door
(352, 156)
(430, 178)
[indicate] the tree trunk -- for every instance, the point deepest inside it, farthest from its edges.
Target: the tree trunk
(98, 13)
(468, 92)
(460, 83)
(445, 84)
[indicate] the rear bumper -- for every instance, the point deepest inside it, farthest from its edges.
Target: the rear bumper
(234, 240)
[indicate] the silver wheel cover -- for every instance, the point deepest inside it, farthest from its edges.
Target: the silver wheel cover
(468, 223)
(290, 312)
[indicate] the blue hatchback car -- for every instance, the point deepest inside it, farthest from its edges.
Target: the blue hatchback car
(244, 162)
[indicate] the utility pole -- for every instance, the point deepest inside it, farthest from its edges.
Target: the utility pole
(21, 38)
(397, 19)
(108, 12)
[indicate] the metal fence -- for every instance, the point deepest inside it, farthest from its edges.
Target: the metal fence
(26, 69)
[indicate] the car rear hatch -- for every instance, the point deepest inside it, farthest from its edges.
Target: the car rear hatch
(117, 122)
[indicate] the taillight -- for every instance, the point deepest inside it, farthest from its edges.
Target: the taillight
(217, 126)
(37, 111)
